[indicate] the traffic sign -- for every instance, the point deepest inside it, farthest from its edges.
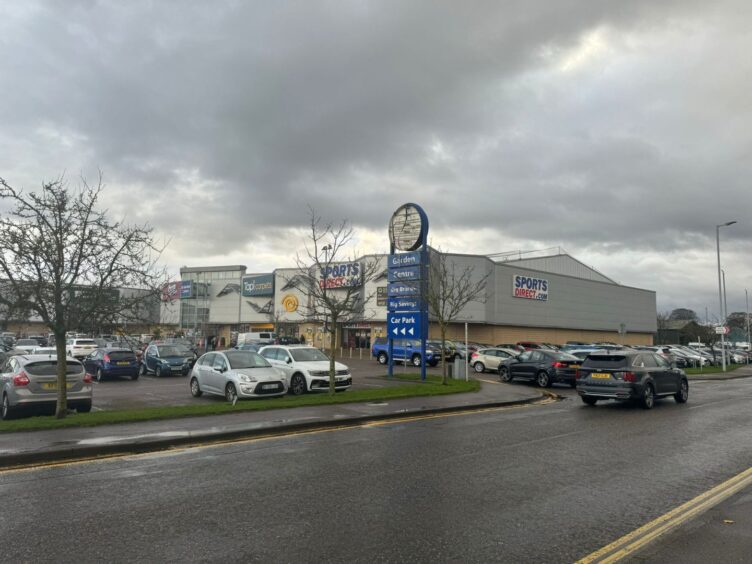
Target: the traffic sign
(404, 325)
(404, 304)
(722, 330)
(400, 260)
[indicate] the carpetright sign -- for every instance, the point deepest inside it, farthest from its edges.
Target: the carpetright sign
(529, 288)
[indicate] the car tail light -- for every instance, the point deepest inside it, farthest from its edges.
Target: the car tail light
(21, 379)
(577, 375)
(87, 378)
(474, 355)
(106, 358)
(558, 364)
(630, 377)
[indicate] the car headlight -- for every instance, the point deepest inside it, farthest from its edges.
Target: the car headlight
(246, 378)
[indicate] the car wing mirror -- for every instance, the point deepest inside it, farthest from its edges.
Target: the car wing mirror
(288, 360)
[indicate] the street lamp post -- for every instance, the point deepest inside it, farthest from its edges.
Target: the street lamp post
(725, 303)
(720, 289)
(749, 344)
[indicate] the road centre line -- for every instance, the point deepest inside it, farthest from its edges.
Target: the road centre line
(640, 537)
(225, 442)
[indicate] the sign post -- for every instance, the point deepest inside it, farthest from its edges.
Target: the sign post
(407, 309)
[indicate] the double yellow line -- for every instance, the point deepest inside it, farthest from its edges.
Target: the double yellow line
(639, 538)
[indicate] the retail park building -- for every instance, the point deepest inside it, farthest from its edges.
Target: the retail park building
(553, 299)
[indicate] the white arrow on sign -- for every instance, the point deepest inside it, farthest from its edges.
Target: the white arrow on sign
(396, 330)
(411, 331)
(403, 331)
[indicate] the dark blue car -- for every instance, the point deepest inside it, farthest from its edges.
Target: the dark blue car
(166, 360)
(106, 363)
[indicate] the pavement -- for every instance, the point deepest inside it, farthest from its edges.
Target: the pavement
(744, 372)
(35, 447)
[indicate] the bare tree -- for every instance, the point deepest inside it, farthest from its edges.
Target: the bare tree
(63, 260)
(332, 281)
(450, 289)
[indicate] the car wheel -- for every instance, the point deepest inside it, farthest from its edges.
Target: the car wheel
(231, 394)
(504, 375)
(648, 397)
(142, 369)
(683, 394)
(543, 379)
(98, 375)
(158, 372)
(382, 358)
(7, 411)
(416, 360)
(297, 385)
(195, 388)
(135, 375)
(588, 401)
(84, 407)
(479, 367)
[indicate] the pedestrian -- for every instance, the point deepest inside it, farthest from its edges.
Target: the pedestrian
(302, 340)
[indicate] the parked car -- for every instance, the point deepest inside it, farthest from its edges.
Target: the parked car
(306, 369)
(105, 363)
(489, 359)
(542, 366)
(80, 348)
(45, 350)
(638, 376)
(40, 339)
(288, 341)
(165, 360)
(235, 375)
(510, 346)
(404, 350)
(582, 354)
(253, 347)
(27, 345)
(450, 351)
(30, 382)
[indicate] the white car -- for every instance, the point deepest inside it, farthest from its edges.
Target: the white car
(236, 375)
(27, 345)
(80, 348)
(306, 368)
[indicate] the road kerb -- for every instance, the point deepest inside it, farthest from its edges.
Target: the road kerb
(15, 461)
(641, 537)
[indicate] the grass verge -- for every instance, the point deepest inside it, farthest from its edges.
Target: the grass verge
(713, 369)
(214, 406)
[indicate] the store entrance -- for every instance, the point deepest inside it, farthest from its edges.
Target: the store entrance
(356, 338)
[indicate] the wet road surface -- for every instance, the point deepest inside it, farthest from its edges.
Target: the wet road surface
(543, 483)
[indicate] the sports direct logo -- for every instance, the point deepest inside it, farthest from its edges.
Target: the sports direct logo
(529, 288)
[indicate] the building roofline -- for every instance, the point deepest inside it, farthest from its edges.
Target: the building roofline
(223, 268)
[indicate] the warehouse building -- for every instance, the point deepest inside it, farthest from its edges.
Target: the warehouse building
(553, 298)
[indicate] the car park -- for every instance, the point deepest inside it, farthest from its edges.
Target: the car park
(306, 368)
(236, 374)
(631, 375)
(165, 360)
(109, 363)
(489, 359)
(29, 382)
(542, 366)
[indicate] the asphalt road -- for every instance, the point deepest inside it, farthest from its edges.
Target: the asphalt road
(536, 484)
(150, 391)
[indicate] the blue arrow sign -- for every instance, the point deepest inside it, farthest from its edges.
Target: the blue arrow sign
(404, 304)
(404, 259)
(401, 289)
(404, 325)
(407, 274)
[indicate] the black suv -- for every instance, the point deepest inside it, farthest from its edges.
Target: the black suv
(630, 375)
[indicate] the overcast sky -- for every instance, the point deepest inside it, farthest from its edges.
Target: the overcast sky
(619, 131)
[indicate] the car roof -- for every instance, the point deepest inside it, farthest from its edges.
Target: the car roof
(26, 358)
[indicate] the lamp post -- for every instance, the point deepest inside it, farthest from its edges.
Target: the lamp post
(724, 314)
(326, 249)
(749, 345)
(720, 290)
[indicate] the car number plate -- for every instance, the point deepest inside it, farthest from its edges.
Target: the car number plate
(268, 386)
(53, 385)
(600, 375)
(574, 366)
(124, 363)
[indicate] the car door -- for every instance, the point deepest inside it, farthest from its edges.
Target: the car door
(285, 363)
(519, 367)
(216, 374)
(202, 370)
(664, 376)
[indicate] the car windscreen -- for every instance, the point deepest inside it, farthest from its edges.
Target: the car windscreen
(246, 359)
(170, 351)
(121, 355)
(26, 343)
(307, 355)
(49, 368)
(606, 361)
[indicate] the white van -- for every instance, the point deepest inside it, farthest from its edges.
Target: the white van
(266, 338)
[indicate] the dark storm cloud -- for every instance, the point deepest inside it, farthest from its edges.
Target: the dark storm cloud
(504, 115)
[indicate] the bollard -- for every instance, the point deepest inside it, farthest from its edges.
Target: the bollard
(361, 353)
(350, 352)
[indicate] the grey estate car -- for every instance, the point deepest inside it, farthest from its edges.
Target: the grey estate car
(30, 381)
(630, 375)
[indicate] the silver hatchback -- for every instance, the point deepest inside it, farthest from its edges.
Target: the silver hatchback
(30, 381)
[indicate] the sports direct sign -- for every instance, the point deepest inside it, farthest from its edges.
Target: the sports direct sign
(341, 275)
(529, 288)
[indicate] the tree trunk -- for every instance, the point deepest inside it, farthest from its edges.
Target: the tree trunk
(332, 353)
(444, 379)
(61, 409)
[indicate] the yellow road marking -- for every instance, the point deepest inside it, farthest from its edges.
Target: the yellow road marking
(271, 435)
(637, 539)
